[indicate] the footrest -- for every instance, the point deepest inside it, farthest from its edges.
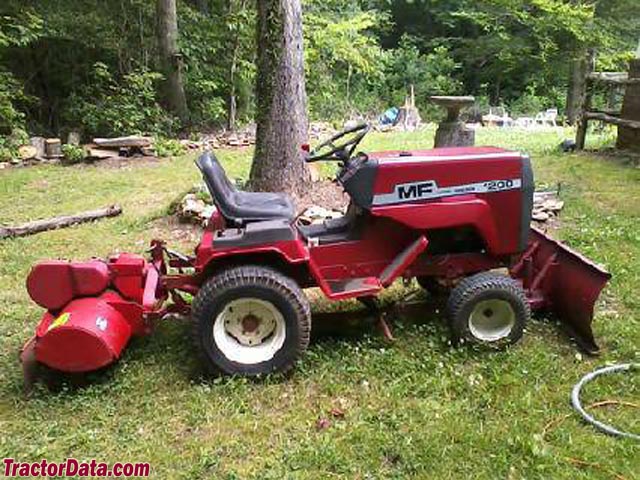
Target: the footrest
(353, 287)
(402, 261)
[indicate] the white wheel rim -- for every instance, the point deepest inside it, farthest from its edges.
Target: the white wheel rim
(249, 331)
(492, 320)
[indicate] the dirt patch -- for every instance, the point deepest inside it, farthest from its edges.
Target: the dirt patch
(324, 193)
(179, 235)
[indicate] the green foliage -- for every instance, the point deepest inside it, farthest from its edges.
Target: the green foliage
(168, 147)
(19, 28)
(344, 61)
(528, 104)
(206, 44)
(72, 153)
(16, 30)
(120, 107)
(10, 143)
(361, 57)
(432, 73)
(11, 95)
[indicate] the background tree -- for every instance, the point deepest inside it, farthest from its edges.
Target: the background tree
(237, 16)
(281, 115)
(93, 65)
(170, 58)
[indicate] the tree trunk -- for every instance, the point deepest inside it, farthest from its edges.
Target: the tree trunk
(579, 69)
(170, 58)
(576, 88)
(281, 99)
(233, 66)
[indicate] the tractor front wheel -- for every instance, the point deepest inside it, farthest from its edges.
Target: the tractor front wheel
(488, 309)
(251, 321)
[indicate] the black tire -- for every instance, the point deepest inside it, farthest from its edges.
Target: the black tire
(251, 282)
(488, 309)
(433, 286)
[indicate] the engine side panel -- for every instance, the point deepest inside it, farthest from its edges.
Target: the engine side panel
(487, 188)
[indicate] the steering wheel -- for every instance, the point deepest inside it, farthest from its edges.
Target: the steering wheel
(339, 151)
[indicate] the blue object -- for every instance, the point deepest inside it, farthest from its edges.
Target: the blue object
(389, 117)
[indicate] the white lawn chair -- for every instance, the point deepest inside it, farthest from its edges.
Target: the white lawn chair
(548, 117)
(497, 116)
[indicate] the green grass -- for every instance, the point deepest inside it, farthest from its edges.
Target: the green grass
(416, 409)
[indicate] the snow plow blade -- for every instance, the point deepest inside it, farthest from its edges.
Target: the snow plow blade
(563, 282)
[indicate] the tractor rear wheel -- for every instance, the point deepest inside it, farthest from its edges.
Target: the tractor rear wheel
(250, 321)
(488, 309)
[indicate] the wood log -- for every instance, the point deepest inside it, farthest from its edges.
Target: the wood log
(621, 122)
(99, 153)
(613, 78)
(73, 138)
(38, 143)
(52, 148)
(37, 226)
(123, 142)
(25, 152)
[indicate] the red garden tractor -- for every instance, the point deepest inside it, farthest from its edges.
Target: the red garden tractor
(453, 218)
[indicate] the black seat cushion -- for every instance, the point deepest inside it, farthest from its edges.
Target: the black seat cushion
(242, 207)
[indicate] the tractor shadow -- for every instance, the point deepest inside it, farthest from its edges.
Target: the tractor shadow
(351, 324)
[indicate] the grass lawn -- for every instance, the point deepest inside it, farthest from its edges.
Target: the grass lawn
(415, 409)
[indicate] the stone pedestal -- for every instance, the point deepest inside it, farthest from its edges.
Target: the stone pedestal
(453, 132)
(629, 138)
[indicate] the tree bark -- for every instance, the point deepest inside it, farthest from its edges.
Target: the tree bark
(281, 117)
(58, 222)
(579, 69)
(575, 90)
(629, 126)
(170, 58)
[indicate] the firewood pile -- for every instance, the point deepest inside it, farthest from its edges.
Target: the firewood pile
(316, 214)
(244, 137)
(546, 206)
(129, 146)
(193, 209)
(43, 150)
(38, 150)
(50, 150)
(196, 207)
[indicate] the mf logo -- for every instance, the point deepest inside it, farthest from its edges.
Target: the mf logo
(416, 190)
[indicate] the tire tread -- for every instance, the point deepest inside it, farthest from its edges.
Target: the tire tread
(474, 285)
(247, 276)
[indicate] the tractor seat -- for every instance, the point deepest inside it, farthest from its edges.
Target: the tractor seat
(236, 206)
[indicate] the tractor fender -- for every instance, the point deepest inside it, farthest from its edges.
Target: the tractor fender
(448, 213)
(291, 258)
